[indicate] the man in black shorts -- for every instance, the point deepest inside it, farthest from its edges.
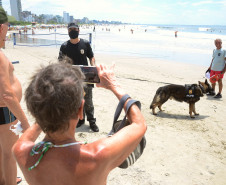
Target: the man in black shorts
(10, 110)
(79, 50)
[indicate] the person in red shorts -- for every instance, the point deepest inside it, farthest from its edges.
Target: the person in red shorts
(217, 68)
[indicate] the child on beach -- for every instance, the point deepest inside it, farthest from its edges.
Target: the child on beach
(10, 110)
(218, 67)
(55, 97)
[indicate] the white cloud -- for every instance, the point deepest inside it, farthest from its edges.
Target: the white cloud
(202, 3)
(209, 2)
(183, 3)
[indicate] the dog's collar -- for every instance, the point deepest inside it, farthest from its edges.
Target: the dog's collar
(202, 88)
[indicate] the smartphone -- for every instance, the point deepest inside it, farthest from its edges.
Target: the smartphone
(91, 75)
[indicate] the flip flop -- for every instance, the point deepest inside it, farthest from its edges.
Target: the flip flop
(18, 180)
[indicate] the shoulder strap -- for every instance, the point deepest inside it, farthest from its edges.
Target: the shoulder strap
(120, 107)
(187, 87)
(119, 110)
(130, 103)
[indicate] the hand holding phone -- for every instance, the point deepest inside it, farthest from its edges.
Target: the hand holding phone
(91, 74)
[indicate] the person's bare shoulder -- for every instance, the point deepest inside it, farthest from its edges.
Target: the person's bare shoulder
(102, 151)
(21, 149)
(97, 151)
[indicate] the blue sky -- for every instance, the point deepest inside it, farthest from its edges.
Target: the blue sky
(190, 12)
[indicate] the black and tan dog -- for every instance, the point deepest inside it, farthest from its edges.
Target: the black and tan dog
(188, 93)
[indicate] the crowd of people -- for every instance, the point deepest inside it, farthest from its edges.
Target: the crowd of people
(59, 100)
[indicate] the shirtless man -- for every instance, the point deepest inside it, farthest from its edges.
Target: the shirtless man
(57, 105)
(10, 110)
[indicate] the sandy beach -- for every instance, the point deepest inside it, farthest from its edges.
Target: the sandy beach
(179, 150)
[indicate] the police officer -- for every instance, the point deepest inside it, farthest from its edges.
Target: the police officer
(79, 50)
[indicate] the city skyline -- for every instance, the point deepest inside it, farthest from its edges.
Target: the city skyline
(193, 12)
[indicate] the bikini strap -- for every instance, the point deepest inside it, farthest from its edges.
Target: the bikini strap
(45, 147)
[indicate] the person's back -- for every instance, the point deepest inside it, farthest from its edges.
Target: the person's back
(69, 166)
(60, 158)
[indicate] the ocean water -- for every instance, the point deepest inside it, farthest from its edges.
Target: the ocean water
(193, 44)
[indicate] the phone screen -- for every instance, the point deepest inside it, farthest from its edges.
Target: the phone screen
(91, 75)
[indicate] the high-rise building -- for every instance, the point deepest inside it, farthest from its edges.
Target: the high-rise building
(16, 9)
(1, 3)
(71, 18)
(66, 17)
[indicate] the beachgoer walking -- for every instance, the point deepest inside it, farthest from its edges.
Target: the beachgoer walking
(10, 110)
(79, 50)
(218, 67)
(55, 99)
(176, 34)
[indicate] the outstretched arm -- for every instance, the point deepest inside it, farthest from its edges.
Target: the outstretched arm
(120, 145)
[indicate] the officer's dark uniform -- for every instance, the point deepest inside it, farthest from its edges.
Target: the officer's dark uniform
(79, 53)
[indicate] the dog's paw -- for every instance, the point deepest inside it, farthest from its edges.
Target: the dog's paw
(197, 114)
(192, 117)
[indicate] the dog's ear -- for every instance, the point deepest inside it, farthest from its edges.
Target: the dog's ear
(206, 82)
(199, 82)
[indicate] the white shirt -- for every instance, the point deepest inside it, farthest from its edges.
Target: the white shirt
(218, 60)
